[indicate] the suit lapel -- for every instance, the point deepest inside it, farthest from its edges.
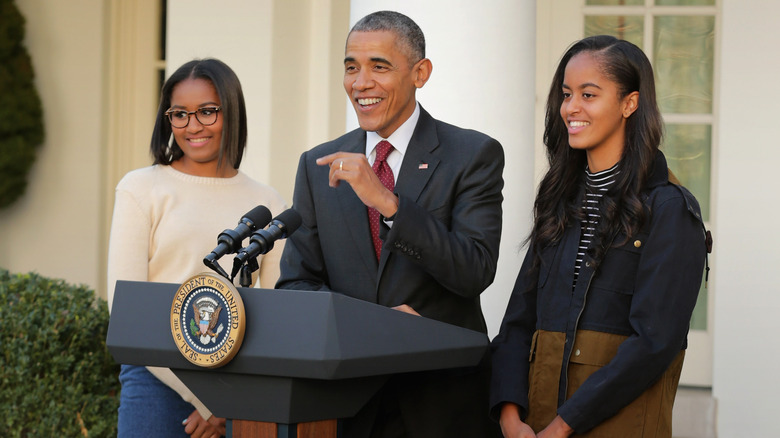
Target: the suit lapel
(418, 165)
(419, 162)
(355, 214)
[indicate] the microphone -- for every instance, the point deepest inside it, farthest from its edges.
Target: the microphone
(229, 241)
(263, 241)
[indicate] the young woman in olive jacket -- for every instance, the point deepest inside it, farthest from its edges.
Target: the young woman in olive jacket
(593, 339)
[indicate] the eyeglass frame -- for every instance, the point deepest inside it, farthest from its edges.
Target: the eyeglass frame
(170, 111)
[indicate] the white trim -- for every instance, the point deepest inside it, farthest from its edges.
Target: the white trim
(132, 95)
(651, 10)
(689, 119)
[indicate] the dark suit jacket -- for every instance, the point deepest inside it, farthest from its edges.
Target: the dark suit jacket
(442, 249)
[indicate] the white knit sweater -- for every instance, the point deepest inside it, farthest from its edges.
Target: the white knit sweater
(166, 221)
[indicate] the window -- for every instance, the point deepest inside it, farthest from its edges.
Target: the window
(679, 38)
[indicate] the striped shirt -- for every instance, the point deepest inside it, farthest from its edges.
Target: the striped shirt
(596, 184)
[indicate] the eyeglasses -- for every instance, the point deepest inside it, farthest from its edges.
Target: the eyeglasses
(181, 118)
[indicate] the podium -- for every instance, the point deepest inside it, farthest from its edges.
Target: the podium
(307, 359)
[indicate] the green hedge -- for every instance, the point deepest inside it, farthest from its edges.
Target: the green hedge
(56, 375)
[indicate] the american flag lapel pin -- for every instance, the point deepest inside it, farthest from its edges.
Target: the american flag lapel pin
(423, 166)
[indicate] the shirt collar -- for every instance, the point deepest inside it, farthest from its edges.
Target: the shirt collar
(400, 138)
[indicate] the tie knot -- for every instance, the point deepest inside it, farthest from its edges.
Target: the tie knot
(383, 149)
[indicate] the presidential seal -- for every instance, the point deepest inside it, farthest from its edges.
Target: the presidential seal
(207, 320)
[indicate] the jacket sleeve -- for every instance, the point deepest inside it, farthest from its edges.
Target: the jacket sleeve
(667, 283)
(511, 347)
(461, 257)
(302, 266)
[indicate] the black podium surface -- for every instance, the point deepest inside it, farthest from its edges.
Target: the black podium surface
(306, 356)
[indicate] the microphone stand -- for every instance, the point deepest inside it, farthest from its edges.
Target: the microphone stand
(246, 272)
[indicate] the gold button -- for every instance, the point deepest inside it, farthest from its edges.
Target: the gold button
(637, 243)
(577, 353)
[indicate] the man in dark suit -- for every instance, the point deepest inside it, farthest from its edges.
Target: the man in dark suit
(414, 225)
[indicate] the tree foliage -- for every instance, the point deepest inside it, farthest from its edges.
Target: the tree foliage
(21, 115)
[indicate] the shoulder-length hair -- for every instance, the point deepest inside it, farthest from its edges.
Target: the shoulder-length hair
(560, 192)
(232, 109)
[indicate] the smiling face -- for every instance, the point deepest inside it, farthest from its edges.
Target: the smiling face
(594, 113)
(200, 144)
(381, 80)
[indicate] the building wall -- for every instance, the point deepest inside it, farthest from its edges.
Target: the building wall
(55, 228)
(747, 303)
(278, 49)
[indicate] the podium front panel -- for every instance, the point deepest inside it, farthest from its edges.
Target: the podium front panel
(305, 355)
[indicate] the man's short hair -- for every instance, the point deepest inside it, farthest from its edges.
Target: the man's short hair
(409, 33)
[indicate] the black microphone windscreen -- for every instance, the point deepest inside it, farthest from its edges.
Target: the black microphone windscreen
(260, 216)
(291, 220)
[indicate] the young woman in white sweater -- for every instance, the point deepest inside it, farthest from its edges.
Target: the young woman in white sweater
(166, 219)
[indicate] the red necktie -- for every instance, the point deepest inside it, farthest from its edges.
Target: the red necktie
(385, 174)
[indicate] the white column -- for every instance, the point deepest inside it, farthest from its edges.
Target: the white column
(238, 33)
(483, 78)
(745, 258)
(289, 59)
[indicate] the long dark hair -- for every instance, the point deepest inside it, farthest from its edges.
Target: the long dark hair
(561, 190)
(233, 109)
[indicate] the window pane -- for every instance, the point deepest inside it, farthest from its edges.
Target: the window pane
(685, 2)
(615, 2)
(687, 150)
(684, 63)
(629, 28)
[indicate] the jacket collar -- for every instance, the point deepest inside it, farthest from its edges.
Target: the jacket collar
(659, 174)
(419, 161)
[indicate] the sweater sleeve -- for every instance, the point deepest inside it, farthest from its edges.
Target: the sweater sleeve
(166, 376)
(128, 250)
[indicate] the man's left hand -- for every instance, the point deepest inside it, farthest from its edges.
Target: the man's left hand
(406, 309)
(355, 170)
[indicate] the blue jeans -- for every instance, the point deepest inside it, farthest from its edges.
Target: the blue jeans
(149, 408)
